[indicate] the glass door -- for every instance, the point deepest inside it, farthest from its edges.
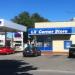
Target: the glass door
(44, 43)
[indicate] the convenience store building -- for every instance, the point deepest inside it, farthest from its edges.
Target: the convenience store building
(53, 36)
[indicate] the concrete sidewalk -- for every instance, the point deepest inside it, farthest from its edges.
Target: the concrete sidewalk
(54, 53)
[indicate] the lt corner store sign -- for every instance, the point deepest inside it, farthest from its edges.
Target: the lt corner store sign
(44, 31)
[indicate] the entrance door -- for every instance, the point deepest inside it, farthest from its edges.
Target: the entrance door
(47, 45)
(44, 43)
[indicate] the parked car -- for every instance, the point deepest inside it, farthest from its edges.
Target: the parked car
(31, 51)
(6, 50)
(72, 51)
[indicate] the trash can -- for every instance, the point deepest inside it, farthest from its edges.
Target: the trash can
(72, 51)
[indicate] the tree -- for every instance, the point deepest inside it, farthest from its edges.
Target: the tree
(37, 18)
(28, 20)
(23, 18)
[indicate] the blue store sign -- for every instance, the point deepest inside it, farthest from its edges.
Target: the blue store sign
(45, 31)
(67, 44)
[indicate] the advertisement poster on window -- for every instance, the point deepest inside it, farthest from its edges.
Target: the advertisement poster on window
(67, 44)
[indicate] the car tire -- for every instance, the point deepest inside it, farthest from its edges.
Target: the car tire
(13, 52)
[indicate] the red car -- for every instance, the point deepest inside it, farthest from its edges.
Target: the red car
(6, 50)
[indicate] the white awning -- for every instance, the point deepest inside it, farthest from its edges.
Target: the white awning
(8, 26)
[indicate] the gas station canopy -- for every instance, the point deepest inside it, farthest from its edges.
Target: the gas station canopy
(8, 26)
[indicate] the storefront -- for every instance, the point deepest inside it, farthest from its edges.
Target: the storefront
(53, 36)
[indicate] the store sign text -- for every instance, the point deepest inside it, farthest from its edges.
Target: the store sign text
(49, 31)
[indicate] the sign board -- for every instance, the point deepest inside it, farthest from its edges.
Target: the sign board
(45, 31)
(67, 44)
(17, 34)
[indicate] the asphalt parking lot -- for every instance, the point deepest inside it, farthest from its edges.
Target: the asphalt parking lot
(41, 65)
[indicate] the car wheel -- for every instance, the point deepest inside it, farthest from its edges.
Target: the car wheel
(12, 53)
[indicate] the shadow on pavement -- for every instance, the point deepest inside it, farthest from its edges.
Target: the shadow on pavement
(14, 67)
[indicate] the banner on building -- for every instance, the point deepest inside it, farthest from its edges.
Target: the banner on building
(46, 31)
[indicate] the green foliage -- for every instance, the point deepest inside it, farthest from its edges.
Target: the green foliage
(23, 18)
(37, 18)
(28, 20)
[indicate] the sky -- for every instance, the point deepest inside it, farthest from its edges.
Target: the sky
(54, 10)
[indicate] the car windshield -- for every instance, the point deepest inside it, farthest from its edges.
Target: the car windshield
(29, 47)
